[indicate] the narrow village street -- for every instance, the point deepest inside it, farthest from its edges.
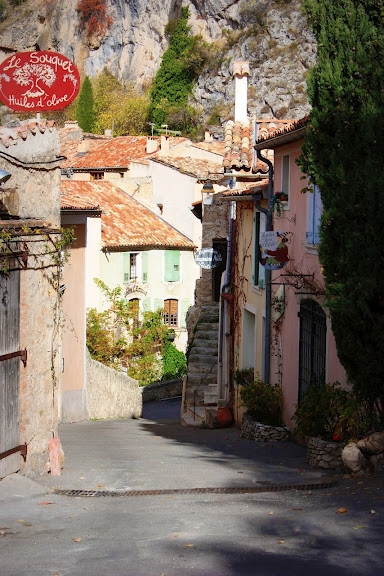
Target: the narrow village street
(248, 518)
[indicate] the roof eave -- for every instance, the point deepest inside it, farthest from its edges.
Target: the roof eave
(281, 139)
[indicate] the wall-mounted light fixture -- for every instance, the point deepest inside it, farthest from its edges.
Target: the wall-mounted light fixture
(207, 192)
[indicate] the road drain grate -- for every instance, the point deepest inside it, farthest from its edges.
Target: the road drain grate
(235, 490)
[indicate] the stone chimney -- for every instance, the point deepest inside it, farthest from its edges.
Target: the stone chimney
(83, 147)
(164, 145)
(241, 73)
(208, 136)
(151, 145)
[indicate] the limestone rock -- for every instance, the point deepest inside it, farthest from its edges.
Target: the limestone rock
(279, 54)
(353, 459)
(373, 443)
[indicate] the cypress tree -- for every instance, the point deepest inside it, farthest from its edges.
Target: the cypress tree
(343, 154)
(85, 114)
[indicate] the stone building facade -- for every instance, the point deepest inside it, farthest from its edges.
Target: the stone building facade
(30, 252)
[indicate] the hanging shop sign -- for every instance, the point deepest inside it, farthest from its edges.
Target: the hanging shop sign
(38, 81)
(274, 250)
(208, 258)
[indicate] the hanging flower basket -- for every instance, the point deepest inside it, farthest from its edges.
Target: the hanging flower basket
(276, 201)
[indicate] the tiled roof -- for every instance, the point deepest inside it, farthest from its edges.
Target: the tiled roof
(125, 223)
(216, 147)
(116, 153)
(72, 201)
(238, 154)
(11, 135)
(71, 137)
(190, 166)
(239, 142)
(280, 133)
(244, 189)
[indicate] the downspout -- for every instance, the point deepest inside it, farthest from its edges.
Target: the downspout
(268, 273)
(223, 301)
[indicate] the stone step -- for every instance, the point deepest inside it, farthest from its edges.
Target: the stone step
(188, 420)
(206, 335)
(211, 397)
(210, 326)
(204, 361)
(196, 378)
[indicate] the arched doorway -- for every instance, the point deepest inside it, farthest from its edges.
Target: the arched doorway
(312, 345)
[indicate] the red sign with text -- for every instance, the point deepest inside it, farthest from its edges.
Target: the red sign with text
(38, 81)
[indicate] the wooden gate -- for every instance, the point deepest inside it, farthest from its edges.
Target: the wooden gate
(10, 356)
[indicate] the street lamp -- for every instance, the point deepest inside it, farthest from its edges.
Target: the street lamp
(207, 192)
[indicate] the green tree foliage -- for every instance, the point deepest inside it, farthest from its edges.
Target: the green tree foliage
(85, 113)
(118, 338)
(118, 107)
(182, 63)
(343, 153)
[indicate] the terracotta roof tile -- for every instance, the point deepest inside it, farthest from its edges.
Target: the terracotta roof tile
(72, 139)
(266, 133)
(11, 135)
(238, 138)
(245, 189)
(190, 166)
(125, 223)
(216, 147)
(70, 200)
(116, 153)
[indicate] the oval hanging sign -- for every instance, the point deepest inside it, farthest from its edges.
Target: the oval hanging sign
(208, 258)
(38, 81)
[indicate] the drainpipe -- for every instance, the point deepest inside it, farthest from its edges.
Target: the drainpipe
(268, 273)
(223, 301)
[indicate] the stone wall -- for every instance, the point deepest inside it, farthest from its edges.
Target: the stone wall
(162, 390)
(111, 394)
(254, 430)
(323, 454)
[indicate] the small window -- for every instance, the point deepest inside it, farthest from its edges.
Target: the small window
(258, 274)
(133, 267)
(171, 312)
(97, 175)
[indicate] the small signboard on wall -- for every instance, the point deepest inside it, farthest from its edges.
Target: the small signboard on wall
(38, 81)
(274, 250)
(208, 258)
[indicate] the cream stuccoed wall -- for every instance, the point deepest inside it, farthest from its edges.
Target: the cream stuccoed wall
(156, 290)
(176, 192)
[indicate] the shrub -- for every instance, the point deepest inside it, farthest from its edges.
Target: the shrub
(174, 362)
(332, 413)
(263, 401)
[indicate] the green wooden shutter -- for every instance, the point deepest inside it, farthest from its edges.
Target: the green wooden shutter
(159, 303)
(185, 304)
(172, 265)
(144, 266)
(126, 267)
(146, 304)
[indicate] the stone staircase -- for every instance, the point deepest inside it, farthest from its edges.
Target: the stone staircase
(200, 395)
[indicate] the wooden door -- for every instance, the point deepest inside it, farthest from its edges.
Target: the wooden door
(9, 370)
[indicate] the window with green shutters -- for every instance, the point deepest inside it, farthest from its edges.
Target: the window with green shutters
(144, 266)
(172, 265)
(126, 267)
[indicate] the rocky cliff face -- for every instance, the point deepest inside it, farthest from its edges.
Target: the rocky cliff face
(274, 39)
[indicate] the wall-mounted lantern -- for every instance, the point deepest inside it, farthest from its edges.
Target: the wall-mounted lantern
(207, 192)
